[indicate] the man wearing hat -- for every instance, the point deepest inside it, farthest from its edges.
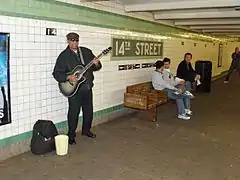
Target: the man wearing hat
(68, 59)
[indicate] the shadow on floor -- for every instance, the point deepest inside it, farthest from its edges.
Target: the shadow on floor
(204, 148)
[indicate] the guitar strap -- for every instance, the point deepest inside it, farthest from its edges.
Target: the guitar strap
(81, 56)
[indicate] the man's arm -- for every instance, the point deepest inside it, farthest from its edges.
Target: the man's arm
(96, 66)
(233, 56)
(191, 68)
(185, 74)
(180, 70)
(159, 84)
(194, 74)
(168, 77)
(178, 80)
(59, 71)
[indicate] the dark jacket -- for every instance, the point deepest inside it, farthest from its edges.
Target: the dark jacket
(236, 60)
(68, 60)
(235, 56)
(185, 71)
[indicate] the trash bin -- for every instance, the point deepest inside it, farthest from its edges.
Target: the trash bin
(204, 69)
(61, 143)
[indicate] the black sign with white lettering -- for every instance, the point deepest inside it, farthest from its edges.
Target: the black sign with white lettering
(128, 67)
(51, 31)
(136, 49)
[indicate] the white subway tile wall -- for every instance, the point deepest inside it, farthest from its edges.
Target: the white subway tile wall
(34, 92)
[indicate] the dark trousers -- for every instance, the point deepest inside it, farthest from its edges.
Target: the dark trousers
(234, 66)
(84, 100)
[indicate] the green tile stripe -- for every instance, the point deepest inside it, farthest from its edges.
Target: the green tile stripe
(24, 136)
(52, 10)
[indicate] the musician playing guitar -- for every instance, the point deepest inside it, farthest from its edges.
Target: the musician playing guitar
(69, 58)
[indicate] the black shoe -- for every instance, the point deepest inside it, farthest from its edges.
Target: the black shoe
(89, 134)
(72, 141)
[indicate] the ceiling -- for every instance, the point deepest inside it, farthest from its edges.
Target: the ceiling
(219, 17)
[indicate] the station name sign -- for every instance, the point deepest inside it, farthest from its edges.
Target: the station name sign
(128, 48)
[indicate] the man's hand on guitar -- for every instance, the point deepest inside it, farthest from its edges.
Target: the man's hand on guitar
(96, 61)
(72, 77)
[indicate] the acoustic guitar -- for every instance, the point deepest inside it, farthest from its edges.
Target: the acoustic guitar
(69, 88)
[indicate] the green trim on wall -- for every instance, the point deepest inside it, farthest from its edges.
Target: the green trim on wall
(24, 136)
(52, 10)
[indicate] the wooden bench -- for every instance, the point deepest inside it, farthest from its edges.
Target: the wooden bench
(144, 98)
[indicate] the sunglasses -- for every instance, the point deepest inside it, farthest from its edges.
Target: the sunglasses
(75, 40)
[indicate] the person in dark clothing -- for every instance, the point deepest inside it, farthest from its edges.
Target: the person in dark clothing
(235, 65)
(69, 58)
(185, 71)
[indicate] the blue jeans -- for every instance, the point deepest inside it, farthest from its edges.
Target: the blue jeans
(188, 85)
(182, 100)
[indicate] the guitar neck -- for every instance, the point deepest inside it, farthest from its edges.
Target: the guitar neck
(91, 62)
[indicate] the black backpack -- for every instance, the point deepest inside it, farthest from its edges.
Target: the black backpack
(43, 141)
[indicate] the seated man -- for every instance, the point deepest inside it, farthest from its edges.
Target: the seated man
(183, 101)
(175, 81)
(185, 71)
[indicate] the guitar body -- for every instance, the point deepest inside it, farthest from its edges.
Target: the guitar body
(69, 88)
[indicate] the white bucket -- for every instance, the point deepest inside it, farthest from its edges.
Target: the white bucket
(61, 143)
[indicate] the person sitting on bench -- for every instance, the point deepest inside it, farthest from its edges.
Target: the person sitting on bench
(175, 81)
(185, 71)
(182, 100)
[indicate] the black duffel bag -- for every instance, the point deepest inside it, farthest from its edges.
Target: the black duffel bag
(42, 142)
